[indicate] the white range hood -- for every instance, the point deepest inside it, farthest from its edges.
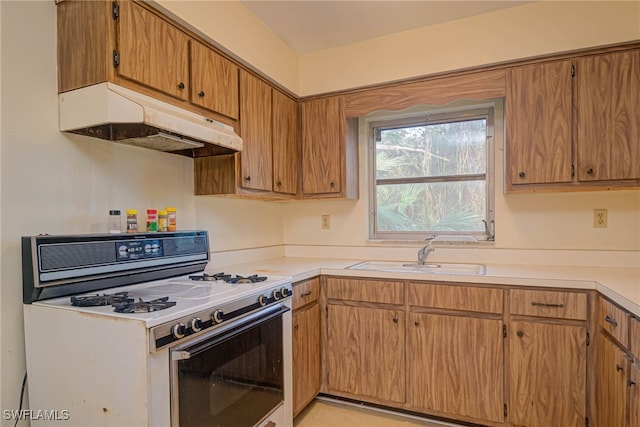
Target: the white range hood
(112, 112)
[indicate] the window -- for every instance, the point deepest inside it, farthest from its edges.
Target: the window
(432, 175)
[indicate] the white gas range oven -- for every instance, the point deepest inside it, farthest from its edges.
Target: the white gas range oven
(128, 330)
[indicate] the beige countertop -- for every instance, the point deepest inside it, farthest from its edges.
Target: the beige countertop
(621, 285)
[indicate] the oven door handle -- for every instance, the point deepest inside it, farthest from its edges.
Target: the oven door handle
(219, 335)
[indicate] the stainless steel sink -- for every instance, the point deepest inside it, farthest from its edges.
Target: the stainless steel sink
(429, 268)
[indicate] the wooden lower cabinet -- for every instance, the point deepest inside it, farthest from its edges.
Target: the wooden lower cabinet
(611, 383)
(366, 352)
(547, 380)
(456, 366)
(634, 395)
(306, 356)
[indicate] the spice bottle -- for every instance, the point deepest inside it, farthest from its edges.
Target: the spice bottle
(171, 219)
(132, 220)
(114, 221)
(152, 220)
(162, 220)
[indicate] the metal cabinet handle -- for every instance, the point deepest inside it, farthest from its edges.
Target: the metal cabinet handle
(332, 184)
(247, 178)
(201, 94)
(306, 294)
(296, 327)
(395, 319)
(589, 171)
(181, 85)
(631, 383)
(416, 323)
(544, 304)
(279, 184)
(610, 320)
(520, 334)
(619, 368)
(521, 174)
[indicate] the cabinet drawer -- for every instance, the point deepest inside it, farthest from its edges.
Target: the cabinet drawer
(365, 290)
(561, 305)
(456, 297)
(305, 292)
(635, 337)
(614, 320)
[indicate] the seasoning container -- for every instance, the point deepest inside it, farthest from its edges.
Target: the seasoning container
(132, 220)
(171, 219)
(162, 220)
(114, 222)
(152, 220)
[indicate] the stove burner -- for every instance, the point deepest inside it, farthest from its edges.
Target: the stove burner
(98, 300)
(249, 279)
(229, 278)
(143, 306)
(210, 277)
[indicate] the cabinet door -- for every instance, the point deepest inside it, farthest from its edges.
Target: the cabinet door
(306, 356)
(611, 383)
(538, 128)
(452, 362)
(547, 374)
(255, 130)
(323, 128)
(608, 92)
(214, 81)
(634, 395)
(285, 144)
(152, 51)
(366, 352)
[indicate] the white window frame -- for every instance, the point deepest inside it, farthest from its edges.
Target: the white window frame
(430, 115)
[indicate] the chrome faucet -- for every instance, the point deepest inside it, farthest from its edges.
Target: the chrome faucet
(424, 252)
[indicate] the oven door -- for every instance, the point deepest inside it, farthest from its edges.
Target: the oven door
(231, 377)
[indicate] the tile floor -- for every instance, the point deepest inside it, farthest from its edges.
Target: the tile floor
(324, 413)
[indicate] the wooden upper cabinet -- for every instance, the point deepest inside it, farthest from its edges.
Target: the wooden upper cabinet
(214, 81)
(538, 125)
(285, 143)
(323, 130)
(608, 99)
(255, 130)
(152, 52)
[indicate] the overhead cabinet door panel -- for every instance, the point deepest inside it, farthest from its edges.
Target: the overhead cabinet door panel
(608, 99)
(214, 81)
(538, 111)
(152, 51)
(255, 130)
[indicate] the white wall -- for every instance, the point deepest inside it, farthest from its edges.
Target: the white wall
(532, 29)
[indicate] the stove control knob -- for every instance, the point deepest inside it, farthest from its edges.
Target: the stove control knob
(179, 330)
(285, 292)
(216, 316)
(276, 295)
(196, 324)
(262, 300)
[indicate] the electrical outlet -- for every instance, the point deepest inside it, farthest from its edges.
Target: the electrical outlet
(326, 222)
(599, 218)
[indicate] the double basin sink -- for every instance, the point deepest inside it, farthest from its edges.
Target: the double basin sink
(427, 268)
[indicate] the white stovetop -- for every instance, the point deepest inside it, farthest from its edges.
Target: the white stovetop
(190, 296)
